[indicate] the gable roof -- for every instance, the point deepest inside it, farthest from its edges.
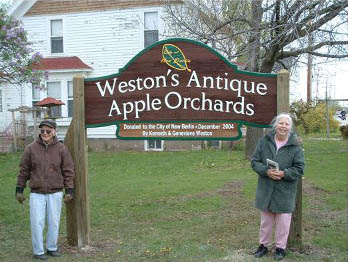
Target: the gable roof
(20, 7)
(62, 63)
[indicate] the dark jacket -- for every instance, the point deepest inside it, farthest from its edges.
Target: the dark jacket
(271, 195)
(48, 167)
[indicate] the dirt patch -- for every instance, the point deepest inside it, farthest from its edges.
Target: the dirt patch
(310, 189)
(229, 189)
(238, 256)
(91, 250)
(317, 207)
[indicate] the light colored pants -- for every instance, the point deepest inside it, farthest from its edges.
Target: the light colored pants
(282, 223)
(40, 204)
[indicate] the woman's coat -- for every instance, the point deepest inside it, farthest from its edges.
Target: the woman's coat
(278, 196)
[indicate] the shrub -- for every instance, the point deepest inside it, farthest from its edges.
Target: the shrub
(299, 109)
(344, 131)
(315, 119)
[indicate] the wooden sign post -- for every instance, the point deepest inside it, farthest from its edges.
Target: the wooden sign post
(78, 210)
(283, 105)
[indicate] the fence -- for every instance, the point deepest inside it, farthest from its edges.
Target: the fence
(15, 137)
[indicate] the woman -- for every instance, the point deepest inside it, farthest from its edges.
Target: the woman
(276, 189)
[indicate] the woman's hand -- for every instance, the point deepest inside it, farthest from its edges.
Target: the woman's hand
(280, 174)
(274, 174)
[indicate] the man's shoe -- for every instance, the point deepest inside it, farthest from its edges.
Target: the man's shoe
(279, 254)
(40, 257)
(54, 253)
(261, 251)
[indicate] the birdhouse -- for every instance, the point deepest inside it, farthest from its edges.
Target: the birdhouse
(53, 107)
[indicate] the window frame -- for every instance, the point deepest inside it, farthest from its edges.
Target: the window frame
(34, 100)
(70, 99)
(150, 30)
(148, 148)
(59, 108)
(51, 37)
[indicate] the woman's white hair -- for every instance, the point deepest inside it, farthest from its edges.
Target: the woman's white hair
(277, 118)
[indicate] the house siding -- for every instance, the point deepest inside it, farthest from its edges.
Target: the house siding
(105, 41)
(44, 7)
(12, 98)
(117, 145)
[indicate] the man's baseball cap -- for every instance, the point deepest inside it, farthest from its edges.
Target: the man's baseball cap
(48, 123)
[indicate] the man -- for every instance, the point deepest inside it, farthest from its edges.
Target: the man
(48, 165)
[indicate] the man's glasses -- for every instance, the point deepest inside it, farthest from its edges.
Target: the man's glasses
(43, 131)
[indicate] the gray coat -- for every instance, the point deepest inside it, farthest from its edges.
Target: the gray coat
(278, 196)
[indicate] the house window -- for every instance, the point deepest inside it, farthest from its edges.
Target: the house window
(70, 99)
(214, 143)
(154, 145)
(35, 90)
(0, 100)
(54, 91)
(56, 36)
(150, 28)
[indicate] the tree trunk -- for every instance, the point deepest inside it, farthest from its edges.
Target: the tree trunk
(295, 233)
(253, 134)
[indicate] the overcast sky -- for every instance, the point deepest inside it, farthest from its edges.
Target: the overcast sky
(334, 75)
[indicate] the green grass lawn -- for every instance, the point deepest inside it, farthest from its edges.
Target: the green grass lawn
(186, 206)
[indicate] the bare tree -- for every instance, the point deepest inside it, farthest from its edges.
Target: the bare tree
(264, 34)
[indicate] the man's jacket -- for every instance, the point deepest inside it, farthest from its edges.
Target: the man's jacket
(49, 167)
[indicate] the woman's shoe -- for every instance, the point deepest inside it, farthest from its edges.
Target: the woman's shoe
(261, 251)
(279, 254)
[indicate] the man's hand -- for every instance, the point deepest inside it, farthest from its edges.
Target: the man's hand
(68, 198)
(20, 198)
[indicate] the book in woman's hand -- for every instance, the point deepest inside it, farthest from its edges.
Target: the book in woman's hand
(272, 164)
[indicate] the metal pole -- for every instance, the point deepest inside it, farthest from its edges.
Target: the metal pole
(327, 114)
(309, 78)
(309, 67)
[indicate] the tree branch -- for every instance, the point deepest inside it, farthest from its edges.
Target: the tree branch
(331, 12)
(328, 55)
(310, 50)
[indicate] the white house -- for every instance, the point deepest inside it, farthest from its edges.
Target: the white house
(92, 38)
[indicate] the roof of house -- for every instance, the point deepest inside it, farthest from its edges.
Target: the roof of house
(62, 63)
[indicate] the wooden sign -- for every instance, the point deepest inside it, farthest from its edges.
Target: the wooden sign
(180, 89)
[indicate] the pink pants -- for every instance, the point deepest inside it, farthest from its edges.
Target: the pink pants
(282, 226)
